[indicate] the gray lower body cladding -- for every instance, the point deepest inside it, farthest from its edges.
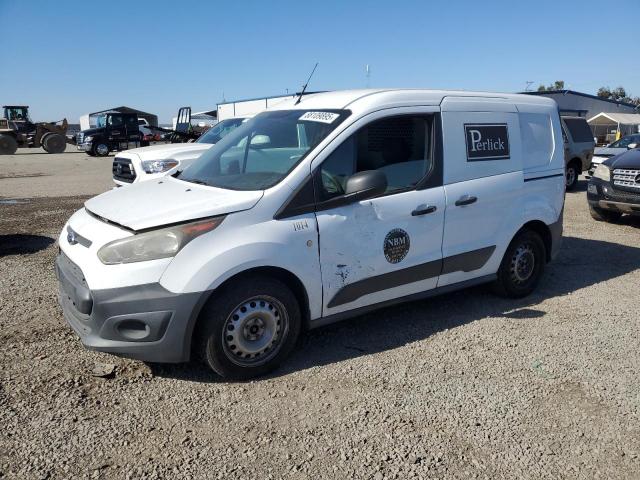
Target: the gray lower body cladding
(145, 322)
(556, 235)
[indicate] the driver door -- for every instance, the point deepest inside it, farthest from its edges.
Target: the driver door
(382, 248)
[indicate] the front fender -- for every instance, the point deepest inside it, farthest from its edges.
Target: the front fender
(207, 262)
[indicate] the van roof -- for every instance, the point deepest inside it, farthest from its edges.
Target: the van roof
(367, 98)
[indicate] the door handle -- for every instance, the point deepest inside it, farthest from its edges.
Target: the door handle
(423, 210)
(466, 200)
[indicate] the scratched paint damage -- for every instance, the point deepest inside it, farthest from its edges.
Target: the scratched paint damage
(365, 220)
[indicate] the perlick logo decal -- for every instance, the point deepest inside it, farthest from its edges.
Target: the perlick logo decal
(486, 141)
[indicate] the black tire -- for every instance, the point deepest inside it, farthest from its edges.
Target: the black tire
(601, 215)
(8, 144)
(571, 175)
(522, 265)
(100, 149)
(54, 143)
(228, 337)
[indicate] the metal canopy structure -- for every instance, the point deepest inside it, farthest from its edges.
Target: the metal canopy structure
(608, 126)
(86, 123)
(606, 118)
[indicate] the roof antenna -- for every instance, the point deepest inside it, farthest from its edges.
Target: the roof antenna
(304, 88)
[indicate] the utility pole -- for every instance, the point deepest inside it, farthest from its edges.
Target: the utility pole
(368, 70)
(528, 85)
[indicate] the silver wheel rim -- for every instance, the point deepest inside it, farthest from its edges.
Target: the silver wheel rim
(254, 332)
(571, 176)
(102, 149)
(523, 264)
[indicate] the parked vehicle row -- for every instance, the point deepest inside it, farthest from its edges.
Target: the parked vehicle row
(614, 188)
(140, 164)
(578, 148)
(627, 142)
(316, 210)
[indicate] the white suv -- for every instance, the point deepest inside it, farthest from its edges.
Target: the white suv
(318, 210)
(146, 163)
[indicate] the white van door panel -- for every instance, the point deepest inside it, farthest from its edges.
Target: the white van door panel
(482, 190)
(383, 248)
(357, 251)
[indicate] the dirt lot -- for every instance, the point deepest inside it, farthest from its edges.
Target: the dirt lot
(466, 385)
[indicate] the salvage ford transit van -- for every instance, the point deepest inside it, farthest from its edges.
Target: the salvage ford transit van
(320, 209)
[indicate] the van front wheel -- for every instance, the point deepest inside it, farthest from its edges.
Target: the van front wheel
(522, 265)
(248, 328)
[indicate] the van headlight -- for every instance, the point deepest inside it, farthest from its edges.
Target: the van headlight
(602, 172)
(158, 166)
(162, 243)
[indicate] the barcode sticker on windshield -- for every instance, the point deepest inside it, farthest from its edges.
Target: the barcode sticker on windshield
(324, 117)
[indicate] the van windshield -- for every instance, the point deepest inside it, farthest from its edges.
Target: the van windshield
(261, 152)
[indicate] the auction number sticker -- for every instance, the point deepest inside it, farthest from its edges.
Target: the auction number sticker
(323, 117)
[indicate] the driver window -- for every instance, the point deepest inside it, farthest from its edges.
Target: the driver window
(397, 146)
(115, 121)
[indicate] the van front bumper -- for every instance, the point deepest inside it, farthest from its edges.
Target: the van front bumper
(144, 322)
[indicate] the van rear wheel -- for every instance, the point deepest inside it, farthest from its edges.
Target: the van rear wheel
(522, 265)
(248, 328)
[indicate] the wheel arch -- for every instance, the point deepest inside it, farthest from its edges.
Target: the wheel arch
(285, 276)
(577, 161)
(544, 231)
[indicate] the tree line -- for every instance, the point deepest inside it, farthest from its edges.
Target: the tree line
(618, 94)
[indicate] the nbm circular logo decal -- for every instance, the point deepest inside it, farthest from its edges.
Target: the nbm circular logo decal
(396, 245)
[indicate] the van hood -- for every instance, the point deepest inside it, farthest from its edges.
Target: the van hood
(169, 150)
(166, 201)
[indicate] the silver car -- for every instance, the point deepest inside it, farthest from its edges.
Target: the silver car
(578, 148)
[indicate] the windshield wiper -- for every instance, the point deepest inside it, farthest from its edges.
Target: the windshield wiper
(195, 180)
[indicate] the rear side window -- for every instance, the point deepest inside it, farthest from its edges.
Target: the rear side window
(579, 129)
(397, 146)
(537, 144)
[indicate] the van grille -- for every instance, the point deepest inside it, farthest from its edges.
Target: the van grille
(123, 170)
(626, 178)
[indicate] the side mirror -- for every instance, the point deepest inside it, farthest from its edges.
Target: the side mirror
(366, 184)
(631, 146)
(260, 140)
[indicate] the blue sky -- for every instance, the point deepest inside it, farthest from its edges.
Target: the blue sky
(66, 58)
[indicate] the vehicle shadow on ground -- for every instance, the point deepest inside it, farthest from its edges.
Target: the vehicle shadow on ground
(581, 186)
(580, 264)
(21, 244)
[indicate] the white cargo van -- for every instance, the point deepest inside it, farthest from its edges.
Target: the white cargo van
(315, 211)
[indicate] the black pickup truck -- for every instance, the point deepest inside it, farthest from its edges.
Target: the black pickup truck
(614, 188)
(115, 131)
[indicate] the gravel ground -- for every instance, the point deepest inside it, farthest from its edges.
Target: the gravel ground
(33, 173)
(466, 385)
